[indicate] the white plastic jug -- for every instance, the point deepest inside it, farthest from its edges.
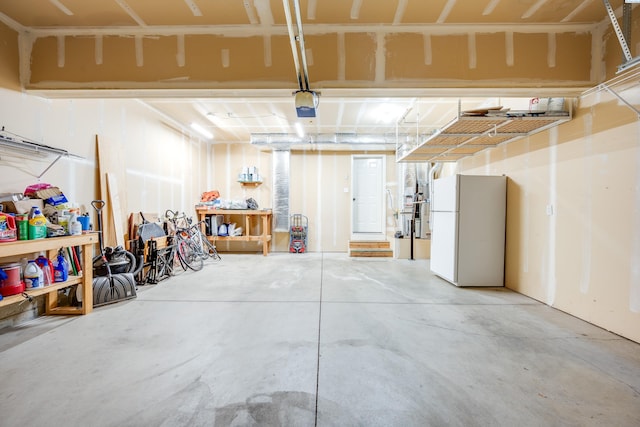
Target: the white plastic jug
(33, 276)
(75, 228)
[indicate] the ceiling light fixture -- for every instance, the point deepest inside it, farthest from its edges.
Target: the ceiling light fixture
(299, 129)
(201, 130)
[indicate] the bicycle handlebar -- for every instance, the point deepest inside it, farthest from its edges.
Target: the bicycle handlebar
(169, 214)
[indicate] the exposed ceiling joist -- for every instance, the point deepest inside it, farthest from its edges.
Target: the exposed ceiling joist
(248, 30)
(186, 58)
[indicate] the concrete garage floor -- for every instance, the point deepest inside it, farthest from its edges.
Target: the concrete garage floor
(318, 339)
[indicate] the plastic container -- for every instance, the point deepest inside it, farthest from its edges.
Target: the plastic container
(37, 224)
(22, 224)
(63, 221)
(32, 212)
(33, 276)
(75, 228)
(47, 269)
(85, 222)
(8, 231)
(10, 284)
(60, 268)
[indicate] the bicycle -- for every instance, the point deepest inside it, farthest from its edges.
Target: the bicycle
(185, 247)
(206, 249)
(192, 245)
(163, 261)
(188, 252)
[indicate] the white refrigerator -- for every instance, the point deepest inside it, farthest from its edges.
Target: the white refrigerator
(468, 235)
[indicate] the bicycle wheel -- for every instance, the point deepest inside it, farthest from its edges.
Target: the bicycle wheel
(179, 237)
(210, 249)
(188, 255)
(177, 262)
(206, 249)
(199, 242)
(193, 234)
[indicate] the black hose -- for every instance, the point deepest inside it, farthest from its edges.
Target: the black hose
(135, 263)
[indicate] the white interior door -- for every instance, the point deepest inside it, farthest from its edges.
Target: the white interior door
(368, 195)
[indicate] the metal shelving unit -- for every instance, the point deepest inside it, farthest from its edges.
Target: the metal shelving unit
(468, 134)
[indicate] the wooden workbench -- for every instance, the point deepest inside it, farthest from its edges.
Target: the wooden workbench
(14, 250)
(266, 216)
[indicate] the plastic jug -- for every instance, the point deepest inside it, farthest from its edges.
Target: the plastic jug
(75, 228)
(33, 276)
(47, 269)
(37, 224)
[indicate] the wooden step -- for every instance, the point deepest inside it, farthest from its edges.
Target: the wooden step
(369, 244)
(371, 253)
(370, 248)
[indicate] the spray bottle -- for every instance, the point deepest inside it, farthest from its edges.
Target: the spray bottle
(60, 268)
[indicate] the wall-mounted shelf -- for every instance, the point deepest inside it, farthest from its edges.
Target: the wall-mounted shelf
(30, 148)
(250, 183)
(468, 134)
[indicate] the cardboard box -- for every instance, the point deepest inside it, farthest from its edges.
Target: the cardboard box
(421, 248)
(52, 196)
(22, 206)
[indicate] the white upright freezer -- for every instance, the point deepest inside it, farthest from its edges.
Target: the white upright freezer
(468, 235)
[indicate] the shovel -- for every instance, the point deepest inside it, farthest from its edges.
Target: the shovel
(113, 287)
(98, 205)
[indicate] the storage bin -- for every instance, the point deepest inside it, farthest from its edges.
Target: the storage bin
(12, 284)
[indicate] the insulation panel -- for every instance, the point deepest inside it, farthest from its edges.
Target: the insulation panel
(281, 171)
